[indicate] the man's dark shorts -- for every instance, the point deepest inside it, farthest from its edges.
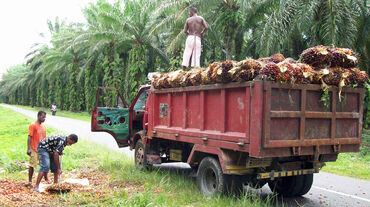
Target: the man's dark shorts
(46, 161)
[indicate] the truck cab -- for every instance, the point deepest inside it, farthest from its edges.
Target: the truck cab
(118, 119)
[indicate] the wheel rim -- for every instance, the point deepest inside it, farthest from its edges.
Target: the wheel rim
(210, 180)
(140, 156)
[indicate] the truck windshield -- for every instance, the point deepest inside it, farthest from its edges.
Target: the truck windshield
(141, 101)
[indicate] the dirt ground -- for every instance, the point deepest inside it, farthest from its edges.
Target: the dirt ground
(15, 193)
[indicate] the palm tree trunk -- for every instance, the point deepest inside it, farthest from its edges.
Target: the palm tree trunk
(228, 47)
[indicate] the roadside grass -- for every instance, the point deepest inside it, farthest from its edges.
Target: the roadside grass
(83, 116)
(356, 165)
(128, 186)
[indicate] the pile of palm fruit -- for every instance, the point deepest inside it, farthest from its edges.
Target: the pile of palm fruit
(317, 65)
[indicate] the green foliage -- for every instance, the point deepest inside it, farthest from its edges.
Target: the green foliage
(325, 97)
(138, 69)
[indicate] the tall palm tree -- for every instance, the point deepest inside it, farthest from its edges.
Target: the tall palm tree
(123, 35)
(296, 25)
(230, 24)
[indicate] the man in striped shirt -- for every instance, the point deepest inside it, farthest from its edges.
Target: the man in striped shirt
(49, 150)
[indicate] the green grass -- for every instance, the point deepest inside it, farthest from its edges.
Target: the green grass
(355, 165)
(84, 116)
(137, 188)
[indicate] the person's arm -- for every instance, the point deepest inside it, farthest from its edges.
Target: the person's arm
(30, 134)
(205, 27)
(56, 161)
(29, 145)
(186, 28)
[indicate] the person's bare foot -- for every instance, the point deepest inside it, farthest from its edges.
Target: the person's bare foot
(29, 185)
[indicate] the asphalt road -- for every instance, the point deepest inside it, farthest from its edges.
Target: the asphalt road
(327, 190)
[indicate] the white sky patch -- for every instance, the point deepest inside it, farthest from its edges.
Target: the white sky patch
(22, 21)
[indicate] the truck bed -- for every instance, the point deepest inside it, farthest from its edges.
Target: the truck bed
(263, 118)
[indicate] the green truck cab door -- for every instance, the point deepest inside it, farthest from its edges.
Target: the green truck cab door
(113, 119)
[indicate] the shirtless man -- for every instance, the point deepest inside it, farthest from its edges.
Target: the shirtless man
(193, 45)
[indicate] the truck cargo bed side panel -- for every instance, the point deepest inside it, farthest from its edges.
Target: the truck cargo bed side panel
(217, 114)
(296, 119)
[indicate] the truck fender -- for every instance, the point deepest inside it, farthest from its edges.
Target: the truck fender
(200, 151)
(136, 137)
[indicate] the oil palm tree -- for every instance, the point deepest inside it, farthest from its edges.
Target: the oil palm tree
(296, 25)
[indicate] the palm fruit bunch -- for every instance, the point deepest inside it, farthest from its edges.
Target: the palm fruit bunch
(206, 74)
(220, 71)
(271, 71)
(175, 78)
(318, 65)
(154, 79)
(193, 77)
(286, 72)
(358, 77)
(343, 57)
(318, 56)
(276, 58)
(62, 188)
(336, 76)
(162, 81)
(214, 70)
(283, 72)
(245, 70)
(226, 67)
(303, 73)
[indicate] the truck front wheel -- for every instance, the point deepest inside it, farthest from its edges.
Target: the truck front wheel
(292, 186)
(140, 156)
(212, 181)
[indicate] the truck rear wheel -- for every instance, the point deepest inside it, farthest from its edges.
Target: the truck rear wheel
(292, 186)
(307, 183)
(140, 156)
(212, 181)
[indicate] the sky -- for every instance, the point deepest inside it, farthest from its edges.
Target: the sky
(22, 21)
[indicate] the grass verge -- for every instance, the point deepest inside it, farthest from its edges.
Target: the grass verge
(356, 165)
(118, 181)
(84, 116)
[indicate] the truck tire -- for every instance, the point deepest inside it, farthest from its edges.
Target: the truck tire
(292, 186)
(307, 183)
(140, 156)
(212, 181)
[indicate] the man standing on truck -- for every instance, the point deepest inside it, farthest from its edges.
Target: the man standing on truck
(193, 44)
(49, 150)
(36, 133)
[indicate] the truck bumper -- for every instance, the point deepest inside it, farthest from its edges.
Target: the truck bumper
(272, 175)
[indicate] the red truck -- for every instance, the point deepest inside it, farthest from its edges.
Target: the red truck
(231, 134)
